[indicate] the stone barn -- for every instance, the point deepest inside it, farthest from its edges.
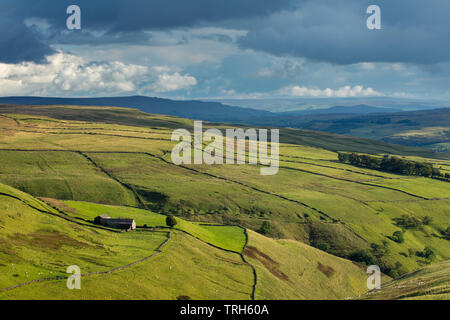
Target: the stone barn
(120, 223)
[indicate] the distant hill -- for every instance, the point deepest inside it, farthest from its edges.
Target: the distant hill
(204, 110)
(304, 103)
(208, 111)
(351, 110)
(425, 128)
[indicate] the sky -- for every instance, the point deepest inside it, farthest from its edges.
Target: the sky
(234, 49)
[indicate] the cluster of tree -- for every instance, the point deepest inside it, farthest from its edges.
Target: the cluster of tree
(446, 233)
(380, 250)
(363, 256)
(412, 222)
(324, 246)
(398, 236)
(427, 253)
(392, 164)
(376, 256)
(266, 228)
(171, 221)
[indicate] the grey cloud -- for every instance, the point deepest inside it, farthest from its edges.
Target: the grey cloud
(414, 31)
(118, 21)
(132, 15)
(18, 43)
(335, 31)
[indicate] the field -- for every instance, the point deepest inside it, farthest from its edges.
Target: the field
(36, 245)
(86, 161)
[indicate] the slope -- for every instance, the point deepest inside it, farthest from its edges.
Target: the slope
(157, 263)
(429, 283)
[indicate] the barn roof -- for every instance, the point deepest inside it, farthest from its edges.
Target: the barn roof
(120, 220)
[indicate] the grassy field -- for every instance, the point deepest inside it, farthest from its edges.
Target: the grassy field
(319, 275)
(117, 161)
(37, 245)
(58, 173)
(187, 267)
(225, 237)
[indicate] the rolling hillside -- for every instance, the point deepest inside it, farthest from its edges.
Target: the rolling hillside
(85, 161)
(192, 260)
(419, 128)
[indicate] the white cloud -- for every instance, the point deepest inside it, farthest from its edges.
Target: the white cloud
(343, 92)
(67, 74)
(171, 82)
(369, 66)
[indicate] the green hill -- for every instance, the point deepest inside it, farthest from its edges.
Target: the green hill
(191, 260)
(117, 161)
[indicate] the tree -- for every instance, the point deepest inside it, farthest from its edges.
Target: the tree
(363, 256)
(425, 170)
(171, 221)
(324, 247)
(427, 253)
(266, 228)
(427, 220)
(408, 222)
(447, 233)
(380, 250)
(435, 172)
(398, 237)
(342, 157)
(354, 159)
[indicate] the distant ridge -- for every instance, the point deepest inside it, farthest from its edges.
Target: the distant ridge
(195, 109)
(354, 110)
(191, 109)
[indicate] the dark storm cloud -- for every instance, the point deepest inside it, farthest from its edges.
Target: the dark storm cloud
(18, 43)
(132, 15)
(413, 31)
(119, 21)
